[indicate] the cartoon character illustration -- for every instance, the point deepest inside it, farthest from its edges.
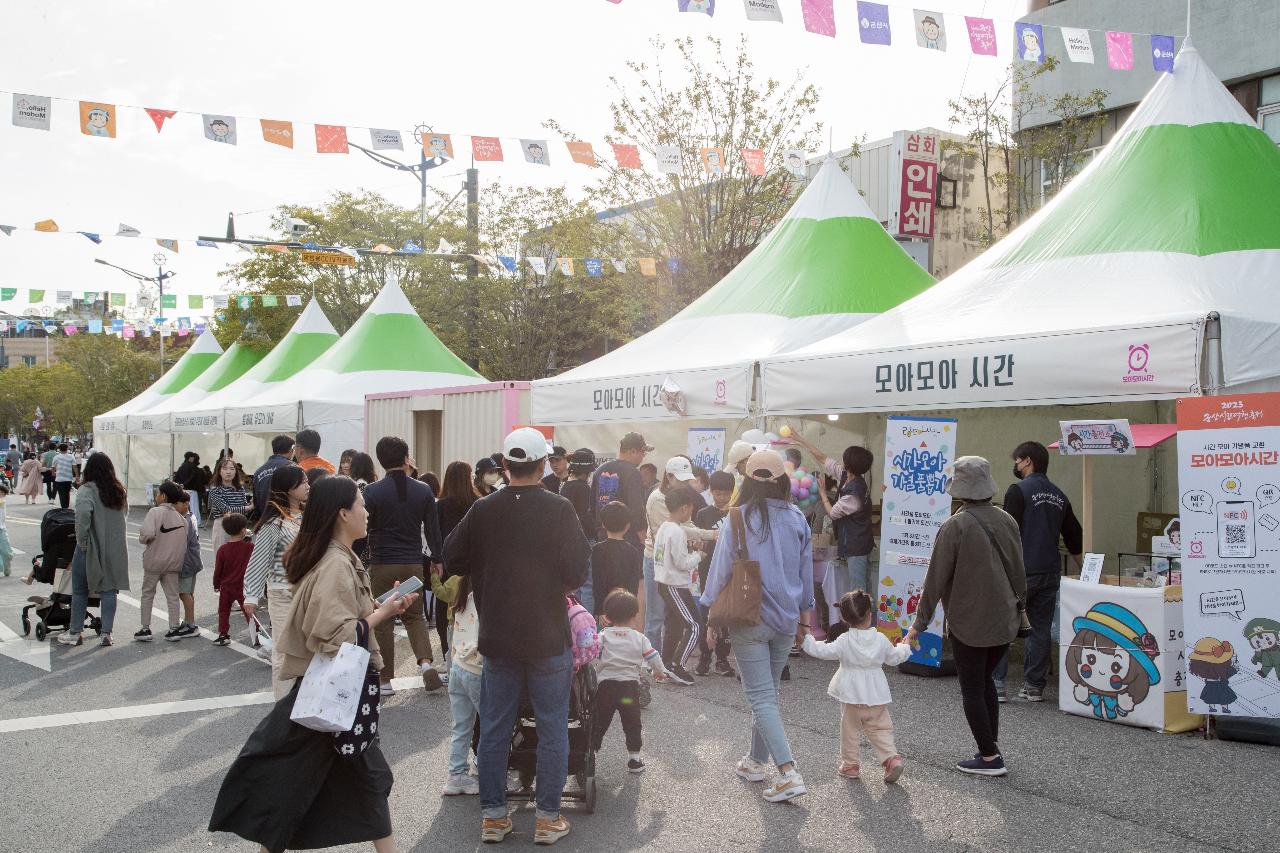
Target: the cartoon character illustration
(795, 163)
(1075, 442)
(1214, 661)
(1264, 636)
(535, 153)
(714, 166)
(95, 123)
(1174, 533)
(1031, 50)
(1112, 660)
(1119, 442)
(931, 33)
(437, 149)
(219, 131)
(913, 598)
(703, 6)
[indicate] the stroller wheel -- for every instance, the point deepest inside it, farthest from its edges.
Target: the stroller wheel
(589, 794)
(41, 631)
(26, 626)
(96, 624)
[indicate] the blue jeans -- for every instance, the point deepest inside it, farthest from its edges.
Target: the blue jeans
(80, 597)
(655, 612)
(1042, 602)
(762, 653)
(547, 682)
(852, 573)
(6, 552)
(464, 704)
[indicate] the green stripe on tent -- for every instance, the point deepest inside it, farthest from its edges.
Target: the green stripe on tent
(805, 267)
(292, 354)
(232, 364)
(392, 342)
(1198, 190)
(188, 368)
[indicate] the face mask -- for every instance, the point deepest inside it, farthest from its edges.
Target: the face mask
(490, 479)
(1016, 472)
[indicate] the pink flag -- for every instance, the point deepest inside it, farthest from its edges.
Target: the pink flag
(159, 116)
(70, 329)
(628, 156)
(819, 17)
(1120, 51)
(982, 35)
(486, 148)
(127, 332)
(753, 158)
(331, 139)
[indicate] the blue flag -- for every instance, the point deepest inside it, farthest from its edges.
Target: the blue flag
(117, 325)
(95, 327)
(1162, 53)
(595, 268)
(22, 326)
(508, 263)
(673, 265)
(208, 244)
(411, 247)
(94, 237)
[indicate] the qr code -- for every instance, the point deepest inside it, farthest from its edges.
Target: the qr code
(1237, 535)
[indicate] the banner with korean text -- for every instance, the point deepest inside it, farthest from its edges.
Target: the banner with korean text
(919, 458)
(1229, 492)
(912, 205)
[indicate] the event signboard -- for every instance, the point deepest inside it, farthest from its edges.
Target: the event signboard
(919, 459)
(1229, 488)
(701, 393)
(706, 448)
(1096, 438)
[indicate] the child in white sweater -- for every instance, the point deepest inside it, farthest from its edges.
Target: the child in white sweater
(860, 686)
(623, 650)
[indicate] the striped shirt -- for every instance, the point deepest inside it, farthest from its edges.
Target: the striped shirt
(62, 467)
(266, 565)
(225, 499)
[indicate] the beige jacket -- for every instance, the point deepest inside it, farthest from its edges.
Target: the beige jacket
(164, 532)
(326, 606)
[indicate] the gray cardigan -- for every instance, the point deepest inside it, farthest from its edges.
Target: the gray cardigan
(100, 531)
(979, 593)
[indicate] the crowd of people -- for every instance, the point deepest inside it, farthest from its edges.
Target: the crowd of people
(517, 550)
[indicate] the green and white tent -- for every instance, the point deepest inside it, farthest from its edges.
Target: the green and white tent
(234, 362)
(309, 338)
(198, 358)
(1116, 290)
(388, 349)
(826, 267)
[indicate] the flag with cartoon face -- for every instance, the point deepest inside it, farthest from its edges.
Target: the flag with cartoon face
(535, 152)
(1029, 41)
(219, 128)
(98, 119)
(931, 30)
(701, 7)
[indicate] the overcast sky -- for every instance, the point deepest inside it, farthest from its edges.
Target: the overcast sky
(489, 67)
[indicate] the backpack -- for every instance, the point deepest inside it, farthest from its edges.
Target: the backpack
(582, 628)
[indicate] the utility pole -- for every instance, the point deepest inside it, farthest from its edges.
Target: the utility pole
(159, 278)
(472, 186)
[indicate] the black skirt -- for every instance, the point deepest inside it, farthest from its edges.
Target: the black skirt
(289, 789)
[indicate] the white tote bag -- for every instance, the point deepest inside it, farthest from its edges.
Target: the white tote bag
(331, 690)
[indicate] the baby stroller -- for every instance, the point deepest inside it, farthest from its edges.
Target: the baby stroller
(582, 754)
(53, 566)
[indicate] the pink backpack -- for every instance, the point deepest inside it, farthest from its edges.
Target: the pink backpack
(582, 627)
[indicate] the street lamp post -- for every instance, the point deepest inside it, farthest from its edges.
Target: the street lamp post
(159, 278)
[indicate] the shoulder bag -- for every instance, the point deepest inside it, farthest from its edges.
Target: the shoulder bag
(1024, 624)
(738, 604)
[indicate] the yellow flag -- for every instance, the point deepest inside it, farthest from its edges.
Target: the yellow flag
(648, 267)
(46, 225)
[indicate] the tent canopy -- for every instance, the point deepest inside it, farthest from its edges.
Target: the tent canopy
(198, 358)
(827, 266)
(1103, 295)
(230, 366)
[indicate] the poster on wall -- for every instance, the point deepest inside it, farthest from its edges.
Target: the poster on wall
(1229, 491)
(1096, 438)
(706, 448)
(919, 457)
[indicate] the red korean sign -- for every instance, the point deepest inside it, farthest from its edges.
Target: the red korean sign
(918, 196)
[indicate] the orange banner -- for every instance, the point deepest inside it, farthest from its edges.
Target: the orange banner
(331, 139)
(648, 267)
(98, 119)
(580, 152)
(278, 132)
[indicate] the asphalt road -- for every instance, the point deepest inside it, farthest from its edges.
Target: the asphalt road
(120, 781)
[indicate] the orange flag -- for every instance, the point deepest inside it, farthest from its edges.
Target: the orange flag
(331, 139)
(754, 160)
(580, 152)
(46, 225)
(437, 146)
(98, 119)
(486, 149)
(648, 267)
(628, 156)
(277, 132)
(713, 160)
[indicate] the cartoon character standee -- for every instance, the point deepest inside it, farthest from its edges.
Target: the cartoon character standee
(1264, 637)
(1214, 661)
(1112, 660)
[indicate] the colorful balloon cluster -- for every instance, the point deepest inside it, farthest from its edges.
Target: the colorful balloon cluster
(890, 607)
(804, 487)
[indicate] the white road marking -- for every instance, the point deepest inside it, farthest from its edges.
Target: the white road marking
(24, 649)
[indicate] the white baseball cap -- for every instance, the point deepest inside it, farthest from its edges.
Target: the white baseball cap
(525, 445)
(680, 468)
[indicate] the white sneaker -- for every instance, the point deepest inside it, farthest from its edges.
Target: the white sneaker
(460, 783)
(786, 787)
(387, 690)
(751, 770)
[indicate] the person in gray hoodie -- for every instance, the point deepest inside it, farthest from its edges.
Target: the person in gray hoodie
(164, 532)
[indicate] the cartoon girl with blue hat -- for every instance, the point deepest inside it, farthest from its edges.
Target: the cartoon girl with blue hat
(1112, 660)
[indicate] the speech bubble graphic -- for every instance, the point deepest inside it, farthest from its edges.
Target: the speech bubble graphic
(1268, 494)
(1231, 485)
(1198, 500)
(1225, 601)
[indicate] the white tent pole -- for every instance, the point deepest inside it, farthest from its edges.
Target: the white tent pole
(1087, 503)
(1213, 355)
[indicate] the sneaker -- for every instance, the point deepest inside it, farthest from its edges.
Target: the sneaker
(795, 651)
(849, 770)
(444, 679)
(107, 641)
(173, 635)
(186, 629)
(459, 784)
(430, 678)
(704, 667)
(786, 787)
(723, 668)
(1002, 695)
(494, 829)
(1031, 694)
(69, 639)
(893, 768)
(144, 636)
(635, 765)
(979, 767)
(222, 640)
(550, 831)
(679, 675)
(751, 770)
(386, 689)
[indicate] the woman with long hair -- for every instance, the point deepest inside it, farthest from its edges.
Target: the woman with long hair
(292, 787)
(775, 534)
(278, 525)
(457, 493)
(227, 495)
(100, 566)
(360, 468)
(29, 478)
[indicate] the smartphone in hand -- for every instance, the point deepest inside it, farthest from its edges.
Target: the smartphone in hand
(412, 585)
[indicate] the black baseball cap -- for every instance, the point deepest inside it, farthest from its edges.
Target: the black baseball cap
(583, 456)
(634, 441)
(485, 464)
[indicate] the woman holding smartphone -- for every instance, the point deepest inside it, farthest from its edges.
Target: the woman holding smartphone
(292, 787)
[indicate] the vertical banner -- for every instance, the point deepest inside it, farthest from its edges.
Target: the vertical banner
(706, 448)
(628, 156)
(1229, 485)
(819, 17)
(919, 455)
(219, 128)
(753, 159)
(982, 35)
(763, 10)
(98, 119)
(873, 23)
(668, 159)
(916, 156)
(535, 152)
(931, 32)
(32, 111)
(1162, 54)
(1120, 51)
(1078, 46)
(1029, 41)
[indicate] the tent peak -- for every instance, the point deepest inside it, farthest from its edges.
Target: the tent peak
(312, 320)
(391, 300)
(831, 194)
(206, 343)
(1189, 95)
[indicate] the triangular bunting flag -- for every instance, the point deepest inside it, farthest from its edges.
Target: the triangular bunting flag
(171, 245)
(93, 238)
(46, 225)
(159, 116)
(127, 231)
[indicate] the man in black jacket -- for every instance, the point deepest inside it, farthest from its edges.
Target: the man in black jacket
(402, 512)
(523, 549)
(619, 480)
(1043, 514)
(281, 450)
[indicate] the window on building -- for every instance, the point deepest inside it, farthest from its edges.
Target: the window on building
(946, 192)
(29, 360)
(1049, 182)
(1269, 108)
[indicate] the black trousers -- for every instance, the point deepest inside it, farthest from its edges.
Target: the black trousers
(63, 491)
(48, 484)
(680, 632)
(442, 625)
(623, 697)
(974, 666)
